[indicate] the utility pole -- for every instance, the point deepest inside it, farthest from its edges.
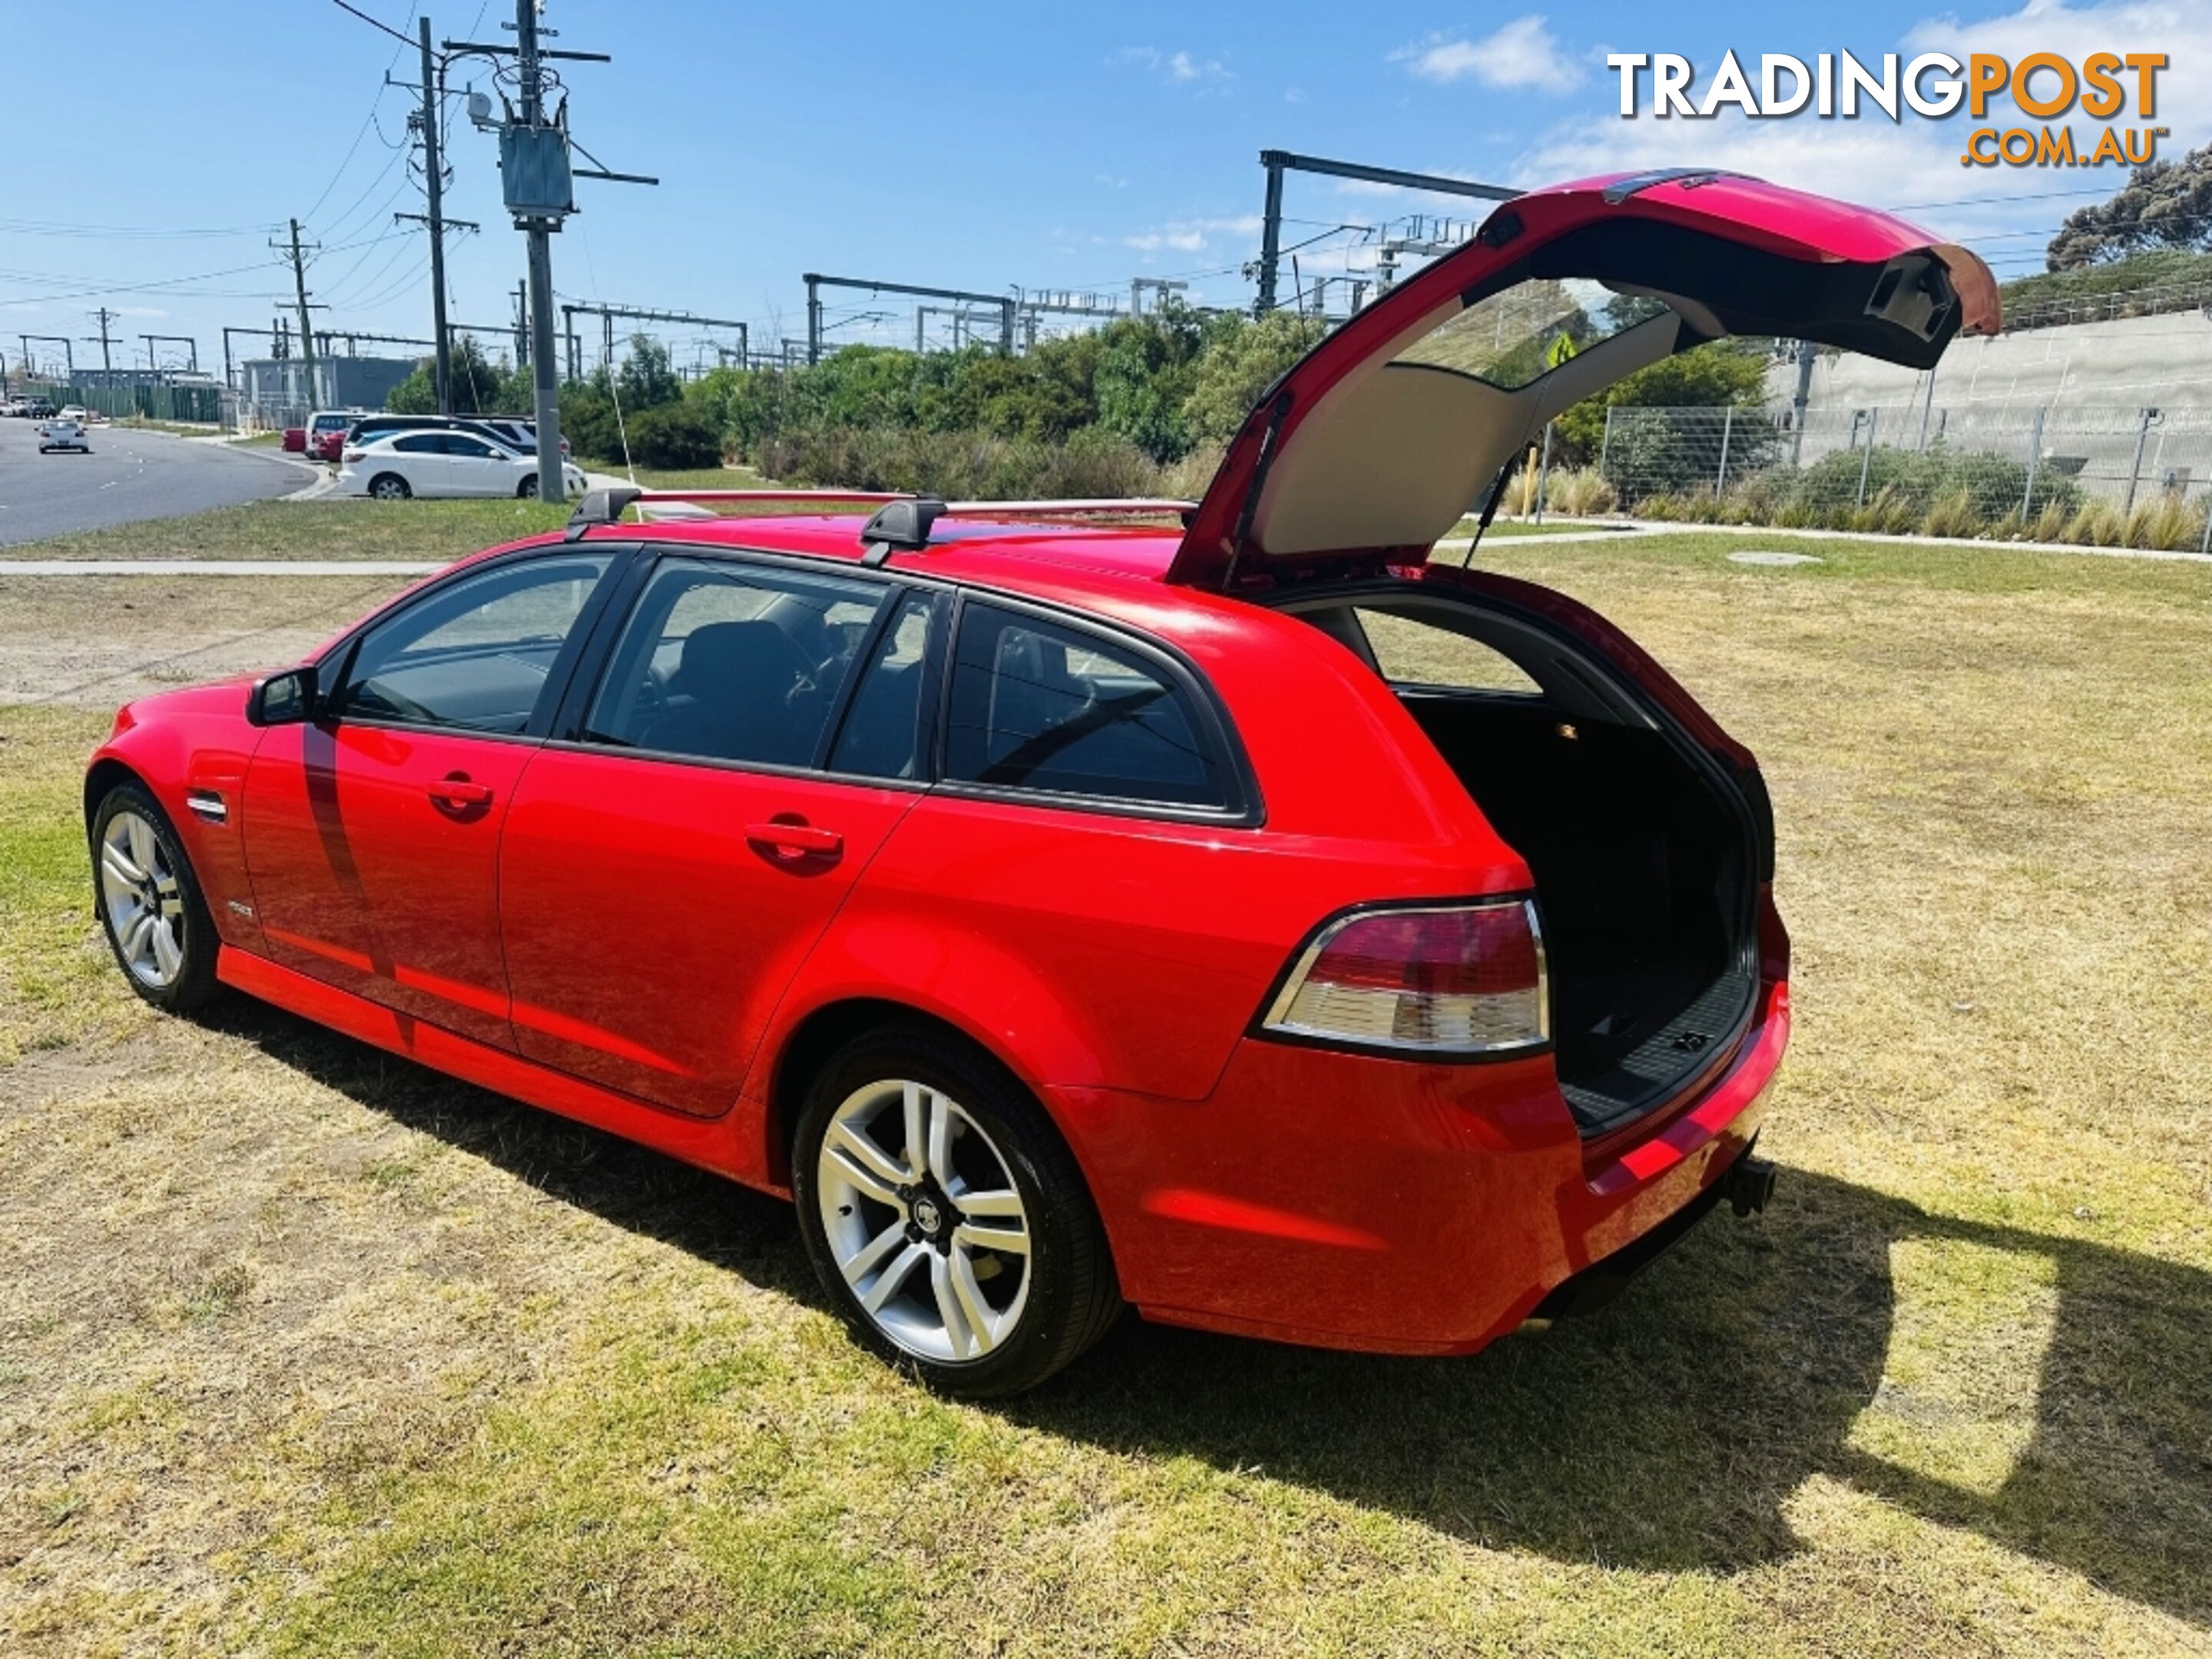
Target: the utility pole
(306, 333)
(522, 325)
(536, 187)
(539, 229)
(1798, 403)
(69, 352)
(435, 185)
(103, 317)
(1279, 162)
(191, 346)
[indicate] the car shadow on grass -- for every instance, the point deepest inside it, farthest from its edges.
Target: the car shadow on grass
(1670, 1431)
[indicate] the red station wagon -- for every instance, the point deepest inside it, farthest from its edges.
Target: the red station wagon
(1257, 921)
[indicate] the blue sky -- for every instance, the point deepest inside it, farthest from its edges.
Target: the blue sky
(973, 146)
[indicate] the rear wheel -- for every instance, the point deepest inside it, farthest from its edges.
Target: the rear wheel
(527, 490)
(150, 906)
(946, 1217)
(389, 487)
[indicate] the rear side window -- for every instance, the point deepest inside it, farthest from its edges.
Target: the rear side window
(420, 443)
(1037, 706)
(732, 662)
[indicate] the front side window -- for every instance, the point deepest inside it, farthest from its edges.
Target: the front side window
(732, 662)
(476, 653)
(1037, 706)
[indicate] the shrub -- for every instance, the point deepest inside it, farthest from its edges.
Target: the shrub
(1578, 491)
(1091, 463)
(2167, 522)
(673, 435)
(587, 421)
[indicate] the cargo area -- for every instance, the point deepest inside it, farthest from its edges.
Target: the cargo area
(1642, 852)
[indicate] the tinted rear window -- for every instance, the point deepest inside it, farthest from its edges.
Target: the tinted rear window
(1038, 706)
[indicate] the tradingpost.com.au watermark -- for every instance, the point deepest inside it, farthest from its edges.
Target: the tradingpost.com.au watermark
(1836, 86)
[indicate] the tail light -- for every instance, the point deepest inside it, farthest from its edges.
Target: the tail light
(1463, 979)
(355, 454)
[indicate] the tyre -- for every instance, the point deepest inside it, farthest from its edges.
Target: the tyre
(150, 903)
(527, 490)
(946, 1217)
(389, 487)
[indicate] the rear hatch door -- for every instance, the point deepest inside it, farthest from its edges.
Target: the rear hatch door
(1386, 434)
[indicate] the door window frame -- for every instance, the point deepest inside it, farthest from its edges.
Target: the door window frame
(617, 600)
(336, 663)
(1240, 804)
(567, 727)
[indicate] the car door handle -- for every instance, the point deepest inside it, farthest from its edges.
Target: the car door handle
(796, 838)
(461, 792)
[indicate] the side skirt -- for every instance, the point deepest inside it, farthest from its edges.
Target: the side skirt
(718, 1145)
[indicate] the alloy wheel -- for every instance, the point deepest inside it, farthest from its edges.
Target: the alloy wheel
(145, 905)
(924, 1220)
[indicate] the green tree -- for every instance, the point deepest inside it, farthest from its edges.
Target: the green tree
(1147, 369)
(480, 387)
(2166, 204)
(1709, 377)
(645, 379)
(1240, 361)
(587, 421)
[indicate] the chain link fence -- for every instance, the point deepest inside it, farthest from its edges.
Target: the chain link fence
(2104, 476)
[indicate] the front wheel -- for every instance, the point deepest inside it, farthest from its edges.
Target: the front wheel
(947, 1218)
(389, 487)
(150, 906)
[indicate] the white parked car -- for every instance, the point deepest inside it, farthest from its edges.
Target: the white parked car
(62, 433)
(399, 464)
(76, 412)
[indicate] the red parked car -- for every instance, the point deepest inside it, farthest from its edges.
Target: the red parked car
(1251, 921)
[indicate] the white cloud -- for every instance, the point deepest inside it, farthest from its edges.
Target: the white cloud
(1177, 69)
(1192, 235)
(1523, 53)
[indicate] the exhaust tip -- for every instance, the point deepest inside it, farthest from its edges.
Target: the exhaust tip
(1749, 1186)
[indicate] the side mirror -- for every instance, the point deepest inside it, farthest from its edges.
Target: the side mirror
(286, 699)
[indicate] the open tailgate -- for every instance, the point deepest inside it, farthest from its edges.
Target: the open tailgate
(1382, 436)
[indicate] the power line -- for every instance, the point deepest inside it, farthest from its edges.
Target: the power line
(127, 233)
(374, 22)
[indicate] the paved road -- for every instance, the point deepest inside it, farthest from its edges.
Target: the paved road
(129, 476)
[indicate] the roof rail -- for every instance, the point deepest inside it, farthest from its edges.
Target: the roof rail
(605, 507)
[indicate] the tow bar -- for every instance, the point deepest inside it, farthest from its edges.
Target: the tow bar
(1748, 1185)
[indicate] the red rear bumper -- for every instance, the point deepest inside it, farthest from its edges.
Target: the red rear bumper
(1348, 1201)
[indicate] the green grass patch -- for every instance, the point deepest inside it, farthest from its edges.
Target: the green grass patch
(57, 981)
(436, 531)
(697, 478)
(548, 1395)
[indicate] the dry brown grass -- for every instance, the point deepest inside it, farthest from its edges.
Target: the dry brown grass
(303, 1351)
(97, 642)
